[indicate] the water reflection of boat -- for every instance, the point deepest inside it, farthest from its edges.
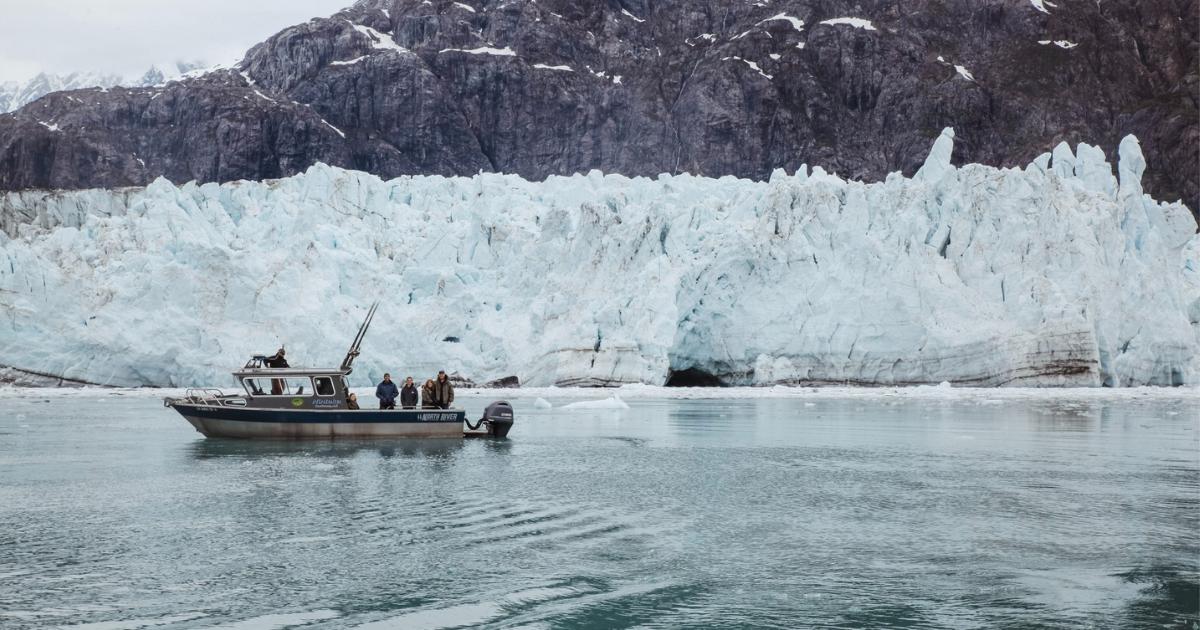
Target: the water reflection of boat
(340, 450)
(311, 403)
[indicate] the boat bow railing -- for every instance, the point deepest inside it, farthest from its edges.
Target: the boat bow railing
(197, 396)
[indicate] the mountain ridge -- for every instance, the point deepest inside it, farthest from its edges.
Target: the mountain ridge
(397, 87)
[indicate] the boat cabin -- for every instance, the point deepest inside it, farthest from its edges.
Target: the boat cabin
(293, 388)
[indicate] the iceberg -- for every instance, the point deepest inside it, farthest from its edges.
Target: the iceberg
(614, 403)
(1058, 274)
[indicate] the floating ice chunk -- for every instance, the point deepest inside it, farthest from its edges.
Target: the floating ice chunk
(851, 21)
(608, 403)
(541, 403)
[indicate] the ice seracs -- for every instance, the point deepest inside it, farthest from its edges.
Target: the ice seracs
(1061, 273)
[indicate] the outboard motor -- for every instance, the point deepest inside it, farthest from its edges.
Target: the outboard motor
(499, 418)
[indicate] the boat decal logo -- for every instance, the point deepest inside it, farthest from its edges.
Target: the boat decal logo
(296, 402)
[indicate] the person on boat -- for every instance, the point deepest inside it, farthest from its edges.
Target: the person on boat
(408, 394)
(386, 392)
(427, 401)
(277, 361)
(352, 402)
(443, 391)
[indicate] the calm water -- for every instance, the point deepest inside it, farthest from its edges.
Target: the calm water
(115, 514)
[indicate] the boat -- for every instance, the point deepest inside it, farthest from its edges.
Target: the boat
(311, 403)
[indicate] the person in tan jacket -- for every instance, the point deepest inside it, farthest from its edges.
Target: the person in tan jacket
(443, 391)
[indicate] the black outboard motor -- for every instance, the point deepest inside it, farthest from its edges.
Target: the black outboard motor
(499, 418)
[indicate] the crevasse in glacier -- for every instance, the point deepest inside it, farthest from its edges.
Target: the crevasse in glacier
(1059, 274)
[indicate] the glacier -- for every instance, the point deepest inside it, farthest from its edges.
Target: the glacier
(1057, 274)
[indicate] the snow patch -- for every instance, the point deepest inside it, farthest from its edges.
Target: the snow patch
(634, 17)
(964, 73)
(796, 23)
(546, 67)
(339, 131)
(499, 52)
(379, 41)
(752, 65)
(347, 63)
(851, 21)
(465, 6)
(1061, 43)
(1041, 5)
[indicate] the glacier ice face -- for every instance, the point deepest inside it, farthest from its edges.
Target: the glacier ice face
(1056, 275)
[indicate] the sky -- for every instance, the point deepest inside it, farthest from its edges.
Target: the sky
(126, 37)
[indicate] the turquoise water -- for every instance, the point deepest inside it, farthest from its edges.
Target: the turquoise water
(769, 513)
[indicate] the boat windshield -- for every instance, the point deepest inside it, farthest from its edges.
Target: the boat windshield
(289, 386)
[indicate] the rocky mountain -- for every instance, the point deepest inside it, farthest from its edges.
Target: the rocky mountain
(642, 87)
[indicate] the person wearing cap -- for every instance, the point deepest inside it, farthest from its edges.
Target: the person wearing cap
(386, 392)
(443, 391)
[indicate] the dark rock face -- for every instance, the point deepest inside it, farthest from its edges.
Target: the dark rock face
(642, 87)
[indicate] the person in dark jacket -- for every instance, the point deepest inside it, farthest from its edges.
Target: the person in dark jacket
(386, 392)
(408, 394)
(443, 391)
(427, 401)
(277, 361)
(352, 403)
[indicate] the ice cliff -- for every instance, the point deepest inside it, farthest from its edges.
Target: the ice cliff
(1058, 274)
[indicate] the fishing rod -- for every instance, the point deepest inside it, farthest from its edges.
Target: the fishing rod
(362, 331)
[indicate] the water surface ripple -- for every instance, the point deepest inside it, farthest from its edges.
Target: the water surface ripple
(761, 513)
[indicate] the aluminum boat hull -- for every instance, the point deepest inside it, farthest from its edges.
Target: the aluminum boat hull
(321, 424)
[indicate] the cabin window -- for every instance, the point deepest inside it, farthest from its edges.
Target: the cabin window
(290, 386)
(324, 385)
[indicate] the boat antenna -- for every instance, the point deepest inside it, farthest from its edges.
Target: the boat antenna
(362, 331)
